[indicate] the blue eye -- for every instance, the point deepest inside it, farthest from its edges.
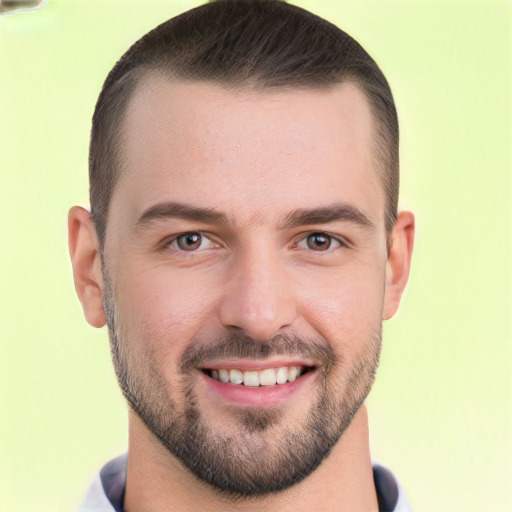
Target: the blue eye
(191, 242)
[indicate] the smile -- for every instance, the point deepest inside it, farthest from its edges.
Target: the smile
(251, 378)
(256, 383)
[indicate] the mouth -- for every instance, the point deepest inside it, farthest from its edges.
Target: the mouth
(257, 378)
(249, 383)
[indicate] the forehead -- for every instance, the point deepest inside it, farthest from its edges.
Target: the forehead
(255, 152)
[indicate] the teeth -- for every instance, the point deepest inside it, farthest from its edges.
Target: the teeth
(236, 377)
(251, 379)
(282, 375)
(267, 377)
(223, 375)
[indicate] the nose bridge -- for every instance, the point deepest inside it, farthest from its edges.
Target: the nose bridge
(258, 299)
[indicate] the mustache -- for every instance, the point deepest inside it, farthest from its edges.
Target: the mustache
(241, 346)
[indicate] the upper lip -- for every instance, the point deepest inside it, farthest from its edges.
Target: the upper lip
(255, 364)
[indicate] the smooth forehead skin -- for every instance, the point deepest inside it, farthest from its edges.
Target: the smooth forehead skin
(254, 155)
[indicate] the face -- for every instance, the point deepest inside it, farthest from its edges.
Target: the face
(244, 275)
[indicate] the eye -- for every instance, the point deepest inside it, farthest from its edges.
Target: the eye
(191, 242)
(319, 242)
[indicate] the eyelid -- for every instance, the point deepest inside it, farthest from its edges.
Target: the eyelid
(167, 242)
(341, 241)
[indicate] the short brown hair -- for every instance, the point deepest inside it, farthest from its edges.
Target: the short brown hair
(241, 43)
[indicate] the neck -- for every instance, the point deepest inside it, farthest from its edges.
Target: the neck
(156, 481)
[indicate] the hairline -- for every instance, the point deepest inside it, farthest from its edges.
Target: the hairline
(142, 75)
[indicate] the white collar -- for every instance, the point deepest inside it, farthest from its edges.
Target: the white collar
(106, 492)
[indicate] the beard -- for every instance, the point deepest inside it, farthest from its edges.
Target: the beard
(266, 450)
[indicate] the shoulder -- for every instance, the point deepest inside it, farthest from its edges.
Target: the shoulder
(390, 495)
(106, 492)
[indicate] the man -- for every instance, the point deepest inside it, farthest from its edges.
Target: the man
(243, 247)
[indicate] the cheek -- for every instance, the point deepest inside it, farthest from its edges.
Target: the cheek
(346, 308)
(161, 311)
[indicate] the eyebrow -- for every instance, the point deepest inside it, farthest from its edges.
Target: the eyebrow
(184, 211)
(336, 212)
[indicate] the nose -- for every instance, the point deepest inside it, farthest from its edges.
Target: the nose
(258, 298)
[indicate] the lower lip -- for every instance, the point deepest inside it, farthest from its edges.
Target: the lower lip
(261, 396)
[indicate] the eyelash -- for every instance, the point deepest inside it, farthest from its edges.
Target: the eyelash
(304, 238)
(175, 239)
(332, 239)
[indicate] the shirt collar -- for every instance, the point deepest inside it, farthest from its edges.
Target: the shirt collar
(109, 487)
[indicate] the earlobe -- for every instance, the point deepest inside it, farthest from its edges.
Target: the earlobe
(85, 259)
(398, 263)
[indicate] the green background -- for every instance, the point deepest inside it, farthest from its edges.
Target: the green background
(441, 408)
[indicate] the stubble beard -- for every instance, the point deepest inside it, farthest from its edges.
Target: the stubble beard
(270, 449)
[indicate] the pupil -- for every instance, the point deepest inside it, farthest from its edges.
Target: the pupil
(319, 241)
(189, 241)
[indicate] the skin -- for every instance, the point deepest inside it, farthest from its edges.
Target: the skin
(254, 156)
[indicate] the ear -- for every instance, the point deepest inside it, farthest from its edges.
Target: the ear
(398, 263)
(86, 262)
